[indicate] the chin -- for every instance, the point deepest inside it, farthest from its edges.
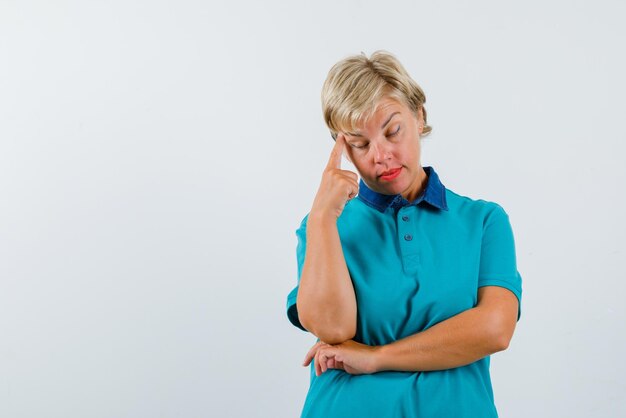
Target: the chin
(392, 189)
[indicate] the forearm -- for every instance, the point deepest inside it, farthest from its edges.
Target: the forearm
(457, 341)
(326, 300)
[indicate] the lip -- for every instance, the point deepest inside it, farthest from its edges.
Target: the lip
(391, 174)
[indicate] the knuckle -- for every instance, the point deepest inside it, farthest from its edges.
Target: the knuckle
(332, 172)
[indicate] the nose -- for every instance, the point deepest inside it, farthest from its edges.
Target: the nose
(381, 152)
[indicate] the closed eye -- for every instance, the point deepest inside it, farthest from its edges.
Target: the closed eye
(396, 132)
(358, 146)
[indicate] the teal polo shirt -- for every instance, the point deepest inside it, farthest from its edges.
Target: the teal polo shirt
(413, 265)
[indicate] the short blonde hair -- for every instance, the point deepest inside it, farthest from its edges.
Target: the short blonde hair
(355, 85)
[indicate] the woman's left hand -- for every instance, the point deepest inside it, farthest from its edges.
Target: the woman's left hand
(350, 356)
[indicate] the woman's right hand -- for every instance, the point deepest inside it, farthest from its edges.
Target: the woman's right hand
(337, 186)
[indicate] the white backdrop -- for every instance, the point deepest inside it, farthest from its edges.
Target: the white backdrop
(156, 158)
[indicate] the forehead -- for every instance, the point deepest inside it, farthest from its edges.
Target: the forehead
(383, 111)
(389, 105)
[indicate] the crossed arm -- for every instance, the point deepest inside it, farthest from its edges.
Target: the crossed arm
(460, 340)
(327, 308)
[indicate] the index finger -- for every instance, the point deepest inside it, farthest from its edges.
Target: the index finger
(335, 155)
(309, 356)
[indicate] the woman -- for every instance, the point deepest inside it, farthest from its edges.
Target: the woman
(408, 286)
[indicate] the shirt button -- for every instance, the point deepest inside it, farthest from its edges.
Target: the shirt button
(408, 237)
(405, 218)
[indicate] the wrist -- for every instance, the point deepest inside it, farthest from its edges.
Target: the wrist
(379, 355)
(322, 217)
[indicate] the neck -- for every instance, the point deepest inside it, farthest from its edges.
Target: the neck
(416, 189)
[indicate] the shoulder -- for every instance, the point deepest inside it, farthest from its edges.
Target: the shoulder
(464, 206)
(479, 219)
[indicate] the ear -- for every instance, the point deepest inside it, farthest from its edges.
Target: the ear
(420, 120)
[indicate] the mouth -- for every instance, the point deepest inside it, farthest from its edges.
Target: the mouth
(391, 174)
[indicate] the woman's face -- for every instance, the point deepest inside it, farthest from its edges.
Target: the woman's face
(386, 150)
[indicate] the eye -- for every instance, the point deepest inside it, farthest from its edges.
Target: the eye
(358, 146)
(395, 132)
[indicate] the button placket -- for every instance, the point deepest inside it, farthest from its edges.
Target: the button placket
(407, 230)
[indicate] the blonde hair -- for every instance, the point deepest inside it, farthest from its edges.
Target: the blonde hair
(355, 85)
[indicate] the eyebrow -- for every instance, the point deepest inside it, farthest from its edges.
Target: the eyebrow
(382, 127)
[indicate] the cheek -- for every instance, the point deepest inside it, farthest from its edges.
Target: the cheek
(350, 154)
(362, 166)
(358, 157)
(412, 149)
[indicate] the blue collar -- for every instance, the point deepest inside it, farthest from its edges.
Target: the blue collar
(434, 193)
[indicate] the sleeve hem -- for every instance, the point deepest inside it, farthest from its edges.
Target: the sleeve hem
(292, 312)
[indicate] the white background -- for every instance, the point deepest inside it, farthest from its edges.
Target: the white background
(156, 158)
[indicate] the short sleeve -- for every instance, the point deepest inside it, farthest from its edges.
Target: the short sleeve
(498, 265)
(292, 309)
